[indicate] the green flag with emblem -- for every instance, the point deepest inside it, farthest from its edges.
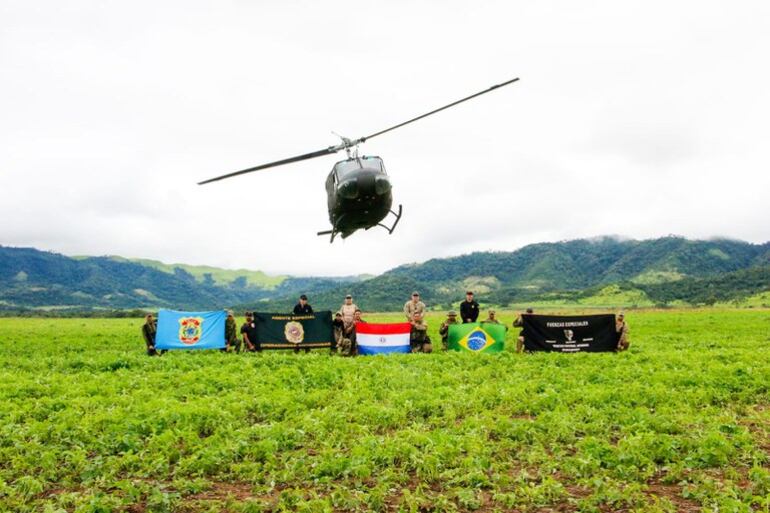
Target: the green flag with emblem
(476, 337)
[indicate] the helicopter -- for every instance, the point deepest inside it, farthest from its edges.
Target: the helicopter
(358, 189)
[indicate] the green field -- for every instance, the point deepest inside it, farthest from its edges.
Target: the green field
(681, 422)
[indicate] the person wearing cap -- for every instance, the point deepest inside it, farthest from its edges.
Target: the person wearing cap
(348, 310)
(419, 341)
(413, 305)
(249, 332)
(338, 326)
(350, 331)
(149, 330)
(231, 334)
(621, 328)
(492, 319)
(303, 307)
(518, 322)
(469, 309)
(443, 330)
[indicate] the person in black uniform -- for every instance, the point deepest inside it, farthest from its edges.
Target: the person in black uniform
(469, 309)
(249, 332)
(303, 307)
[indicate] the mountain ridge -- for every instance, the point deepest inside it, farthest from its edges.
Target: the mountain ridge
(648, 269)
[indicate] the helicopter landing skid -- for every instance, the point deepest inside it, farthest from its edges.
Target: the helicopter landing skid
(327, 232)
(333, 232)
(395, 223)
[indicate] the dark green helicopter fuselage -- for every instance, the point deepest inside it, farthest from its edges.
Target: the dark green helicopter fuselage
(359, 195)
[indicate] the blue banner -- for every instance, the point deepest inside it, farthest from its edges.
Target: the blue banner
(190, 330)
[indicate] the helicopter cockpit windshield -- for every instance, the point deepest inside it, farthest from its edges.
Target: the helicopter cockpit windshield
(345, 167)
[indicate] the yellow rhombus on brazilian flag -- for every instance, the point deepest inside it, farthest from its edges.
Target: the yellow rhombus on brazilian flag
(477, 337)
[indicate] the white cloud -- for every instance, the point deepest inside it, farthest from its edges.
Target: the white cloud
(632, 118)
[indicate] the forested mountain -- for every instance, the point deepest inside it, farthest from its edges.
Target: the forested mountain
(31, 278)
(658, 271)
(583, 263)
(564, 270)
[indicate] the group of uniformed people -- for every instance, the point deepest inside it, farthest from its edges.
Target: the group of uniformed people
(349, 314)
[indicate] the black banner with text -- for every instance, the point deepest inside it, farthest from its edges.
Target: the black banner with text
(570, 333)
(289, 331)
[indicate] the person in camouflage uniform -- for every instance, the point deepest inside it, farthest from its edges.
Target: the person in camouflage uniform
(232, 342)
(519, 323)
(344, 344)
(149, 330)
(419, 340)
(621, 328)
(412, 306)
(443, 330)
(348, 309)
(349, 333)
(492, 319)
(345, 333)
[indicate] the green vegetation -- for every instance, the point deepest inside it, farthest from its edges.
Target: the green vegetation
(681, 422)
(664, 272)
(33, 281)
(221, 277)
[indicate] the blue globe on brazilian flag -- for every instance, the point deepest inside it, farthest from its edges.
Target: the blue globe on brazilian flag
(477, 337)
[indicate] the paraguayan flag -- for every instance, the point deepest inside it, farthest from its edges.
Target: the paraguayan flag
(382, 338)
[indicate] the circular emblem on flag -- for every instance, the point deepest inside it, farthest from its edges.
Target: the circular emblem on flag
(294, 332)
(383, 340)
(190, 330)
(477, 340)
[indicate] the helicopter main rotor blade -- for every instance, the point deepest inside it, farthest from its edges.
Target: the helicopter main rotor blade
(363, 139)
(320, 153)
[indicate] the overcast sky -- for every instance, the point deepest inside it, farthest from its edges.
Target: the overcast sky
(638, 119)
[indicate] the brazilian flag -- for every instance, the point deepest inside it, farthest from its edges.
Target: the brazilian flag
(477, 337)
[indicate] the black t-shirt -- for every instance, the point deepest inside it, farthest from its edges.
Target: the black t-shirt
(299, 309)
(250, 329)
(469, 310)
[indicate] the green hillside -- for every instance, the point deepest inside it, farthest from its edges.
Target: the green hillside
(602, 272)
(217, 275)
(40, 280)
(205, 273)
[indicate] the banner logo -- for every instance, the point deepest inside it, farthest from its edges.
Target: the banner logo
(569, 334)
(190, 330)
(294, 332)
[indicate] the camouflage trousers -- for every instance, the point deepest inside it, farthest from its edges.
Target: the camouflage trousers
(421, 346)
(345, 347)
